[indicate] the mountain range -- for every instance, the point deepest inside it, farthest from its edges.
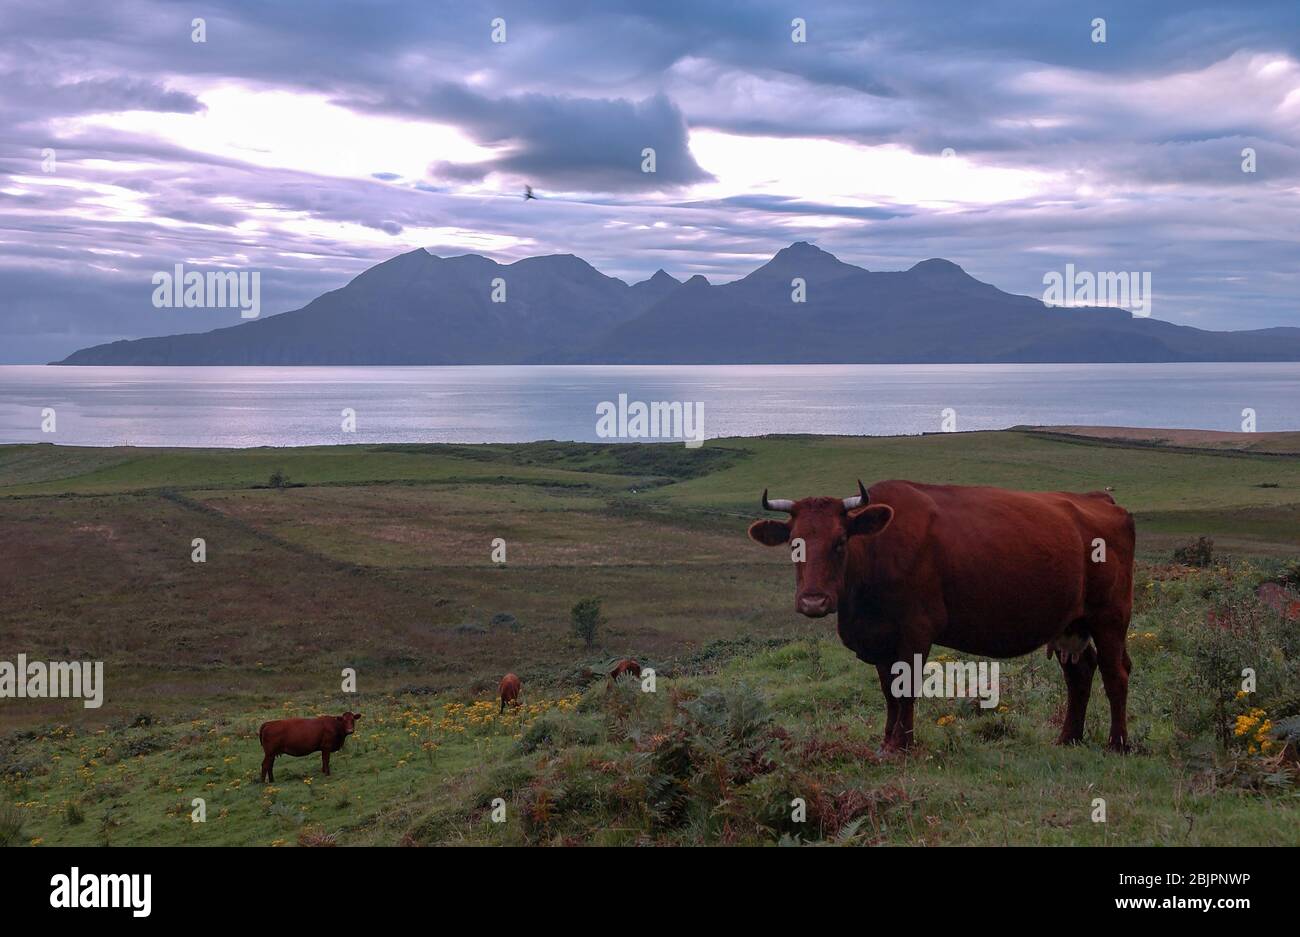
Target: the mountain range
(421, 309)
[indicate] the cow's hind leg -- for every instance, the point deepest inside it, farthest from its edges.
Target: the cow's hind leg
(325, 761)
(1115, 665)
(1078, 671)
(268, 766)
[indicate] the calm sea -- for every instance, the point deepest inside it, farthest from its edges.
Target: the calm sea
(303, 406)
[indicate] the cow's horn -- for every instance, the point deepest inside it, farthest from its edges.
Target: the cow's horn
(780, 504)
(861, 499)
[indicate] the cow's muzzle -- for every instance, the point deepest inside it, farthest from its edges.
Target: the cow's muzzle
(814, 605)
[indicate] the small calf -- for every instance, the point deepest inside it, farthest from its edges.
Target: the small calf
(626, 665)
(298, 737)
(509, 690)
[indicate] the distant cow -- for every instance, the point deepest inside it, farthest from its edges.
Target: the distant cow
(626, 665)
(981, 570)
(298, 737)
(509, 690)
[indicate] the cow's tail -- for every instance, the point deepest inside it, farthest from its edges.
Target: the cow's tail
(261, 733)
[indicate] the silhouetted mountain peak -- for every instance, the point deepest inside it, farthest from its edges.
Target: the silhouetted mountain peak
(467, 260)
(661, 278)
(555, 262)
(802, 259)
(648, 292)
(803, 249)
(419, 309)
(938, 267)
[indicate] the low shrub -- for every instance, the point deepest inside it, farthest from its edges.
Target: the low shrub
(1198, 552)
(586, 619)
(1240, 663)
(713, 744)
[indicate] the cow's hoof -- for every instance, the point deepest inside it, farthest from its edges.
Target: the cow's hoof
(1120, 747)
(1070, 740)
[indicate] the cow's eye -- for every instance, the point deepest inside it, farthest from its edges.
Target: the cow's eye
(838, 546)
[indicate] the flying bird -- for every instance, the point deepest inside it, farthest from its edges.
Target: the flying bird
(528, 193)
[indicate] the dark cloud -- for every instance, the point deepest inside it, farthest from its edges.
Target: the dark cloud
(29, 95)
(592, 144)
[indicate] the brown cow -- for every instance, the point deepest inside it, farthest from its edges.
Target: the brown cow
(984, 571)
(509, 690)
(298, 737)
(626, 665)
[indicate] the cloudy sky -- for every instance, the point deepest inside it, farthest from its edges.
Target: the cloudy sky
(309, 140)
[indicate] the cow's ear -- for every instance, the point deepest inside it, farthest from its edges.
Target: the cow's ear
(356, 716)
(871, 519)
(770, 533)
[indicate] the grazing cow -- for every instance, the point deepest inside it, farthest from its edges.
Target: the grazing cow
(324, 734)
(626, 665)
(509, 690)
(984, 571)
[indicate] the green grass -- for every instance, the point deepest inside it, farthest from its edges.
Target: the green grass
(382, 557)
(136, 786)
(1143, 479)
(579, 773)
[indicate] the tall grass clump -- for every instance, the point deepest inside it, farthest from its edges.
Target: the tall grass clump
(11, 825)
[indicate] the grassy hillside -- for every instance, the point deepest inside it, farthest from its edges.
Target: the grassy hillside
(379, 559)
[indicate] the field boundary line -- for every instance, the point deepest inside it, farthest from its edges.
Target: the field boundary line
(1110, 442)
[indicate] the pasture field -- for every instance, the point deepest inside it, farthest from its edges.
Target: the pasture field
(378, 558)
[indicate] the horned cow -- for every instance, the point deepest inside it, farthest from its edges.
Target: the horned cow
(984, 571)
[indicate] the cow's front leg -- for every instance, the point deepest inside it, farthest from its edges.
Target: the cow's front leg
(905, 692)
(324, 761)
(900, 739)
(891, 704)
